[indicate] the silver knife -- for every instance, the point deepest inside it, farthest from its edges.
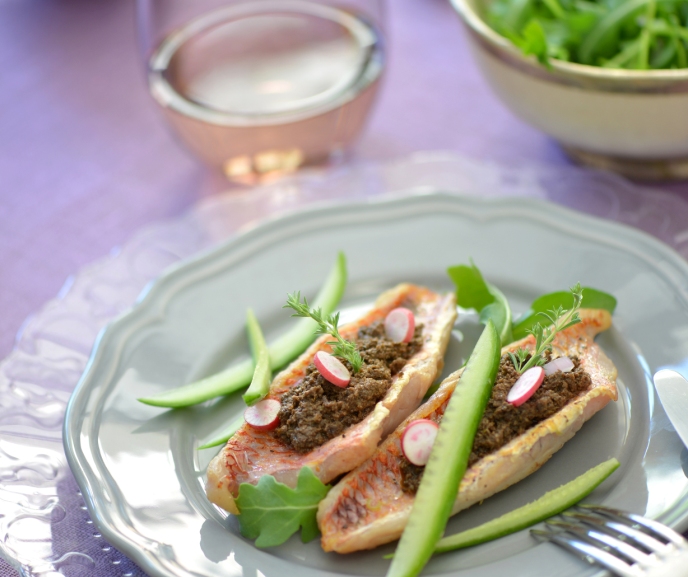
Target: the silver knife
(672, 389)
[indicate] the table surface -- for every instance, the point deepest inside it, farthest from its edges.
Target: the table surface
(88, 160)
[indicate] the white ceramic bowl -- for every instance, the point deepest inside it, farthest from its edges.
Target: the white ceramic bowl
(631, 121)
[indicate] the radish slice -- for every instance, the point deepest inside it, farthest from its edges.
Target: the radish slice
(417, 440)
(263, 416)
(399, 325)
(332, 369)
(525, 386)
(563, 364)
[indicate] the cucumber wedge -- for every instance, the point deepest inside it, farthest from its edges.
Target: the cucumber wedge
(226, 434)
(283, 350)
(550, 504)
(262, 375)
(449, 458)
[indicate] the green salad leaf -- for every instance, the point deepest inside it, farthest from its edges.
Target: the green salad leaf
(631, 34)
(592, 299)
(271, 512)
(474, 292)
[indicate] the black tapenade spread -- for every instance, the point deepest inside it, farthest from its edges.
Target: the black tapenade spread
(503, 422)
(315, 411)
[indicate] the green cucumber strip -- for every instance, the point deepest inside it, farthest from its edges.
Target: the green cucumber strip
(449, 458)
(550, 504)
(225, 435)
(592, 299)
(283, 350)
(223, 383)
(262, 375)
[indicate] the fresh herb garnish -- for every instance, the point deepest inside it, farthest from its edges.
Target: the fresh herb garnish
(631, 34)
(327, 325)
(558, 320)
(271, 512)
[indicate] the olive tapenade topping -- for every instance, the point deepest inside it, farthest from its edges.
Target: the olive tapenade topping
(315, 411)
(503, 422)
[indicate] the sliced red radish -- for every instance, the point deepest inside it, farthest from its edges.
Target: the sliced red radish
(332, 369)
(563, 364)
(417, 440)
(263, 416)
(399, 325)
(525, 386)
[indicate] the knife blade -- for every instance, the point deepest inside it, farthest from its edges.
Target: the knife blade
(672, 389)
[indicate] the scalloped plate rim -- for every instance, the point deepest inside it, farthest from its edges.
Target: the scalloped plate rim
(153, 296)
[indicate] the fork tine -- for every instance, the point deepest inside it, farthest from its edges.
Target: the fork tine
(653, 526)
(602, 539)
(589, 552)
(616, 528)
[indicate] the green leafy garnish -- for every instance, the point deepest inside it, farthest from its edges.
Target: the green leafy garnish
(474, 292)
(271, 512)
(631, 34)
(558, 319)
(327, 325)
(593, 299)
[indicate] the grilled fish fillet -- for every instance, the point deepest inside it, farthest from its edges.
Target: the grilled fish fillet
(368, 508)
(250, 454)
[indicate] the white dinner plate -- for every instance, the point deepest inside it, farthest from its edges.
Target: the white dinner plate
(142, 475)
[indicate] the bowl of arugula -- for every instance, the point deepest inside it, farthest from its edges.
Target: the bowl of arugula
(607, 79)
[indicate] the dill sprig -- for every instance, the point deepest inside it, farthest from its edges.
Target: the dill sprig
(558, 320)
(326, 326)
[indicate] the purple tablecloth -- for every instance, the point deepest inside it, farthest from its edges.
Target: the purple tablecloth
(87, 160)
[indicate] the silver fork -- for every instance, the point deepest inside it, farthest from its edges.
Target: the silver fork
(628, 545)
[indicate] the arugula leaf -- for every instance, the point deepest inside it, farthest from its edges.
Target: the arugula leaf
(471, 289)
(632, 34)
(534, 41)
(474, 292)
(592, 299)
(271, 512)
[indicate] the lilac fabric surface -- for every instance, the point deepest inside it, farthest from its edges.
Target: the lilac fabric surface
(87, 161)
